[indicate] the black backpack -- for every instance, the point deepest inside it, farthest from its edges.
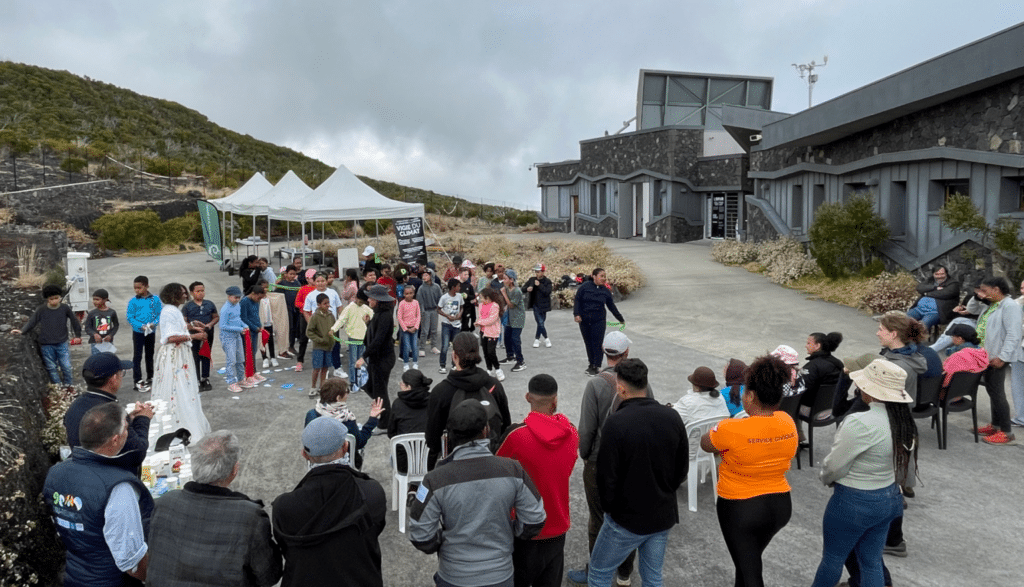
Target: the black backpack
(485, 396)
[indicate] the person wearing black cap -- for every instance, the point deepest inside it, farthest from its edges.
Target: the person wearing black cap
(462, 510)
(103, 373)
(329, 525)
(379, 356)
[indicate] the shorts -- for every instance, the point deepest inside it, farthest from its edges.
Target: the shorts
(321, 359)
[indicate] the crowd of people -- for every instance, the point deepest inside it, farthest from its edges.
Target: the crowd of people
(636, 450)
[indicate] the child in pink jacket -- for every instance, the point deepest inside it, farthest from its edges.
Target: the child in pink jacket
(408, 317)
(489, 322)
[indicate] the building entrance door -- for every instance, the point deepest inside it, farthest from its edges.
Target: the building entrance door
(638, 209)
(575, 210)
(718, 216)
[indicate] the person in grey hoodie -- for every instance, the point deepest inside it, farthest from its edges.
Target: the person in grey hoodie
(462, 510)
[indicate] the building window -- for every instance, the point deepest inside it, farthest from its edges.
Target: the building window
(660, 199)
(797, 211)
(613, 201)
(959, 187)
(593, 200)
(898, 208)
(602, 200)
(854, 189)
(563, 202)
(817, 198)
(941, 191)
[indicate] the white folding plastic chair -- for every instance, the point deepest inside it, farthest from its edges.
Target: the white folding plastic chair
(702, 462)
(351, 438)
(415, 446)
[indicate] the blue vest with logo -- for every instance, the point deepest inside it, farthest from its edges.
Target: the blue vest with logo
(77, 491)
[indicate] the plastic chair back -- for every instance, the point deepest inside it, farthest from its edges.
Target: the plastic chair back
(415, 447)
(791, 405)
(702, 461)
(352, 450)
(821, 415)
(964, 385)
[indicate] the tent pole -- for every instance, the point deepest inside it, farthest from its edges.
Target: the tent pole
(270, 259)
(437, 240)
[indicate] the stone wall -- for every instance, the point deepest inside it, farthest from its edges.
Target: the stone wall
(967, 263)
(554, 225)
(558, 172)
(759, 229)
(51, 248)
(670, 151)
(723, 171)
(674, 229)
(988, 120)
(609, 227)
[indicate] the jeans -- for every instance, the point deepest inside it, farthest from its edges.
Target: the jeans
(945, 341)
(995, 386)
(410, 346)
(540, 316)
(596, 518)
(1017, 390)
(927, 317)
(448, 333)
(234, 350)
(857, 520)
(142, 343)
(355, 350)
(614, 544)
(57, 360)
(514, 344)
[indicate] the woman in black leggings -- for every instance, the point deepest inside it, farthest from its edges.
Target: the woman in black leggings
(753, 494)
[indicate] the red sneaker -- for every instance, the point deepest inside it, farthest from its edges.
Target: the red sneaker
(1000, 437)
(298, 367)
(987, 430)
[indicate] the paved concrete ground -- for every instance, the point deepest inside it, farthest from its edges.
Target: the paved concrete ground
(962, 528)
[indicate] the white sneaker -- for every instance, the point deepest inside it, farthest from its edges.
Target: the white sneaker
(416, 366)
(435, 351)
(536, 343)
(266, 363)
(499, 375)
(273, 362)
(405, 367)
(423, 353)
(341, 373)
(547, 342)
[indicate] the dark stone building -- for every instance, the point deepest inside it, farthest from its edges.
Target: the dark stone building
(679, 177)
(953, 124)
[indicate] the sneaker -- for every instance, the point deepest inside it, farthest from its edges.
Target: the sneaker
(987, 430)
(257, 378)
(536, 343)
(519, 367)
(313, 392)
(899, 550)
(247, 384)
(416, 366)
(424, 353)
(274, 363)
(266, 363)
(405, 367)
(578, 576)
(508, 360)
(234, 388)
(140, 386)
(499, 375)
(1000, 437)
(442, 370)
(298, 367)
(547, 342)
(340, 374)
(591, 371)
(908, 492)
(621, 581)
(285, 355)
(435, 351)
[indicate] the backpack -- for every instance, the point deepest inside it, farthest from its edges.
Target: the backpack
(486, 397)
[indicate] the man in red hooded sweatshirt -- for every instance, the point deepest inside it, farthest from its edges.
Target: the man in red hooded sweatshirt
(546, 445)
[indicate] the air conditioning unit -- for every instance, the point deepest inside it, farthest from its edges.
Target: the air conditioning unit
(755, 138)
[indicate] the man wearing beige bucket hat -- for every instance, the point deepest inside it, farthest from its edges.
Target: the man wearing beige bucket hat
(870, 459)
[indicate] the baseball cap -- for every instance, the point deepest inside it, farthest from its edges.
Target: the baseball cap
(101, 293)
(323, 436)
(234, 290)
(369, 250)
(787, 354)
(103, 365)
(540, 267)
(468, 419)
(615, 343)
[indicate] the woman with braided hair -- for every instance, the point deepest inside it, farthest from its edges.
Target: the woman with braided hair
(870, 458)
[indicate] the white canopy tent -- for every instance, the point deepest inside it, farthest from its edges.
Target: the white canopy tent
(343, 196)
(250, 193)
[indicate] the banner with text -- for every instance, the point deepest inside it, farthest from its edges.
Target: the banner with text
(211, 229)
(412, 246)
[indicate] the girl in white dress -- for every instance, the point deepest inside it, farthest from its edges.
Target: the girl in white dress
(175, 381)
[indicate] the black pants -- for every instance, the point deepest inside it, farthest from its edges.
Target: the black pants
(597, 515)
(491, 353)
(202, 363)
(748, 525)
(303, 339)
(142, 342)
(378, 373)
(294, 322)
(538, 563)
(468, 318)
(995, 386)
(593, 338)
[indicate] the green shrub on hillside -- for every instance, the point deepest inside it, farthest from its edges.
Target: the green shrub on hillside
(131, 230)
(187, 228)
(72, 164)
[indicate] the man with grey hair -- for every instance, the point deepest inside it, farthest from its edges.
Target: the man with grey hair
(207, 534)
(328, 526)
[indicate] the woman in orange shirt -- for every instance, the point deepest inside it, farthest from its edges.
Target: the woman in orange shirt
(753, 494)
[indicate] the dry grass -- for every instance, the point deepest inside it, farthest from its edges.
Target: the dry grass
(847, 292)
(167, 249)
(7, 216)
(75, 235)
(29, 275)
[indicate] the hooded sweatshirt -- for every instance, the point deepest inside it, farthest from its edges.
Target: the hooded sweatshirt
(973, 360)
(546, 447)
(329, 525)
(470, 380)
(911, 361)
(409, 412)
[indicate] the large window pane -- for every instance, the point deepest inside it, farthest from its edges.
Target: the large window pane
(683, 115)
(654, 88)
(650, 117)
(727, 92)
(757, 95)
(679, 93)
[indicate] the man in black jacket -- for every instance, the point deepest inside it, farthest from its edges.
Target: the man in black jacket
(642, 461)
(538, 298)
(943, 292)
(328, 526)
(103, 373)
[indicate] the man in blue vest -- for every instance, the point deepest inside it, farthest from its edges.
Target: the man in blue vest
(101, 510)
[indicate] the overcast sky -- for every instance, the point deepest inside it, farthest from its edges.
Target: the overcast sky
(463, 97)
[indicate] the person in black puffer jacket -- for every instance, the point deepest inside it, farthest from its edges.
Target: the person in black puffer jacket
(821, 368)
(409, 412)
(379, 356)
(469, 377)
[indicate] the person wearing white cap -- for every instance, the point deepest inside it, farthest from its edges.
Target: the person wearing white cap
(869, 461)
(538, 298)
(370, 254)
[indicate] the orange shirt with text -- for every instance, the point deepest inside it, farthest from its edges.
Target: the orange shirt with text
(756, 453)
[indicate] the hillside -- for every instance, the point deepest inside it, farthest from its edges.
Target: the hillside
(77, 124)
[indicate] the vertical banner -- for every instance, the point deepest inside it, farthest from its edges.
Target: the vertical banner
(412, 247)
(211, 230)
